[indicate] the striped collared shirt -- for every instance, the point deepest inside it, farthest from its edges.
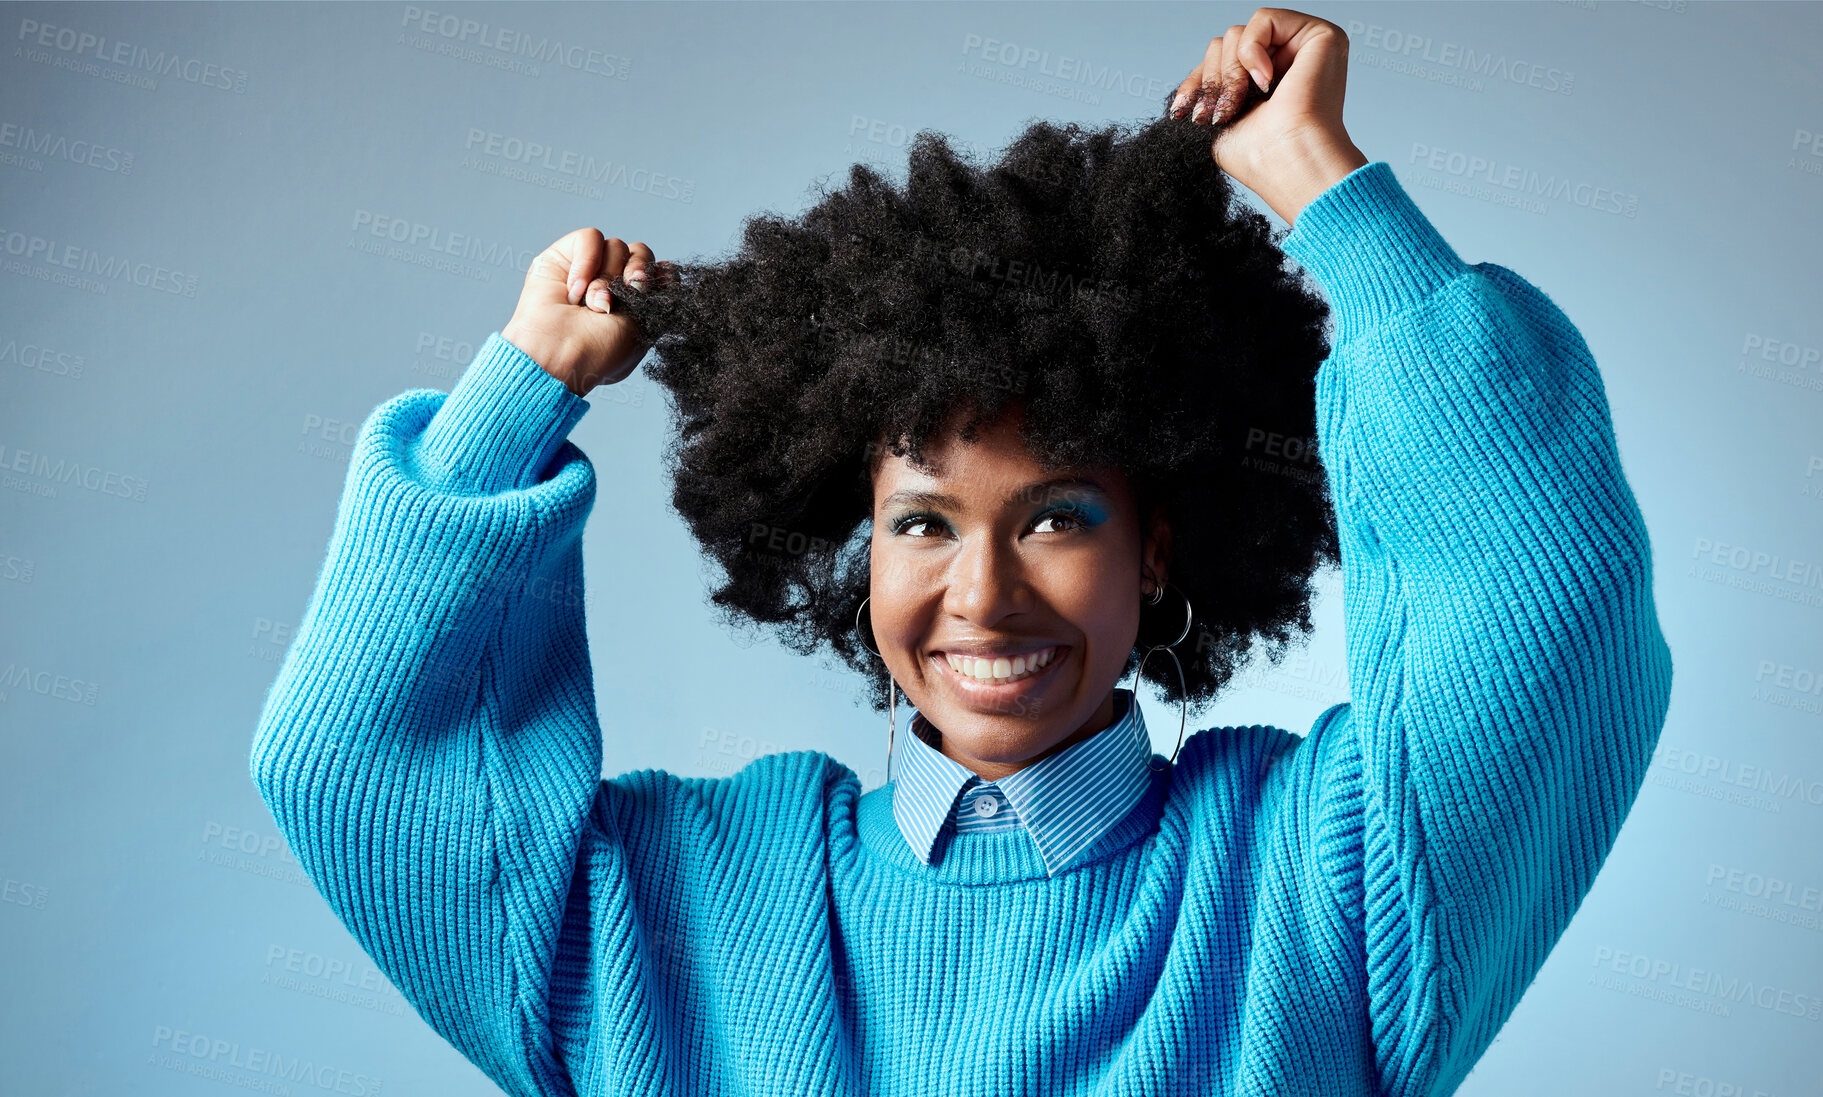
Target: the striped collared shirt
(1065, 801)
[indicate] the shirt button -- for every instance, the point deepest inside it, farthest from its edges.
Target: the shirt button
(986, 806)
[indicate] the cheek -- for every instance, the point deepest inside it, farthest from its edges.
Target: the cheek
(1099, 595)
(894, 588)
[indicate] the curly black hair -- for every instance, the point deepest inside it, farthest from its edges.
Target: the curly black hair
(1104, 280)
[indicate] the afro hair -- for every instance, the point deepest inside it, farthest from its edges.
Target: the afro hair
(1104, 280)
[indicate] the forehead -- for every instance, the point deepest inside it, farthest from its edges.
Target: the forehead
(995, 467)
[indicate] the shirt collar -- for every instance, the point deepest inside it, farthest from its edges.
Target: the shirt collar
(1066, 800)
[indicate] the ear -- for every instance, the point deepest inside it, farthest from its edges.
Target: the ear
(1155, 552)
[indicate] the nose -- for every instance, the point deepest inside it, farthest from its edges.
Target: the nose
(986, 582)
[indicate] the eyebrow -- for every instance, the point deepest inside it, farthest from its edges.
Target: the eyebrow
(939, 499)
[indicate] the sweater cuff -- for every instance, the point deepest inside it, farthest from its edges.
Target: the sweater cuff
(501, 426)
(1371, 248)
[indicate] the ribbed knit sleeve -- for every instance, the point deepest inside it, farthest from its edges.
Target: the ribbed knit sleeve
(1507, 673)
(430, 747)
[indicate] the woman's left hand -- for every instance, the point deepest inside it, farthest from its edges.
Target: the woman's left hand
(1289, 147)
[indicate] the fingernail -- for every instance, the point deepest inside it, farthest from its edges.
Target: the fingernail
(599, 299)
(1219, 112)
(1261, 80)
(1177, 103)
(1202, 108)
(576, 288)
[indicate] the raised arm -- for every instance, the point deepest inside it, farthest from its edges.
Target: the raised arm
(430, 747)
(1507, 671)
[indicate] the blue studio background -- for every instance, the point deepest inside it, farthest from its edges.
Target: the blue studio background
(227, 232)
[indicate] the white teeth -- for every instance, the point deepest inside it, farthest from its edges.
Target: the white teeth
(1001, 668)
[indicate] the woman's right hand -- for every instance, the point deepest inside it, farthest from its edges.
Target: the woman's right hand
(564, 319)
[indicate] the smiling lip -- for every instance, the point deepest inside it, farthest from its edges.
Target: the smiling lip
(991, 695)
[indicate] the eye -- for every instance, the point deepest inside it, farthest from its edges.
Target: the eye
(911, 520)
(1074, 518)
(1069, 518)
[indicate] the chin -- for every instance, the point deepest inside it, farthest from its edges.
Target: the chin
(1007, 747)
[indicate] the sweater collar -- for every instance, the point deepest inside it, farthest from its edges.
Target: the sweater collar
(1065, 801)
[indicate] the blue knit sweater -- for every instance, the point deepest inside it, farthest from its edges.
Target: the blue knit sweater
(1352, 911)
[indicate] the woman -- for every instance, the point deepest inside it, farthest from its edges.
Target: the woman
(1046, 394)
